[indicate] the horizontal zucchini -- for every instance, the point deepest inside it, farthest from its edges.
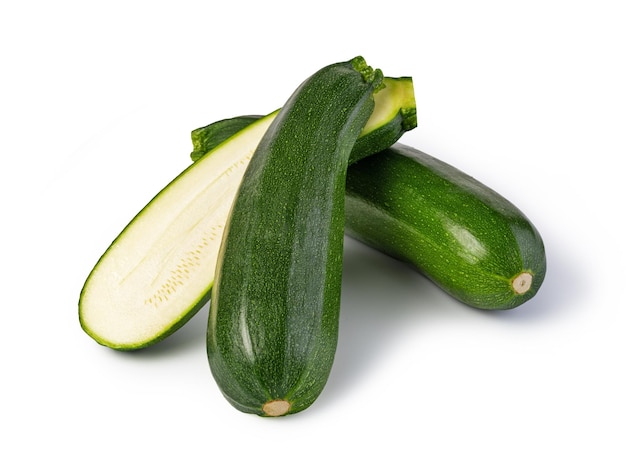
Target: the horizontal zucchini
(471, 241)
(158, 272)
(274, 312)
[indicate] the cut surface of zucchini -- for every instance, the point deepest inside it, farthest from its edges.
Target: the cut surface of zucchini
(158, 270)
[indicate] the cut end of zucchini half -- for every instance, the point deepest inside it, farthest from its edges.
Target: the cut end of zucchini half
(276, 408)
(157, 273)
(397, 95)
(522, 283)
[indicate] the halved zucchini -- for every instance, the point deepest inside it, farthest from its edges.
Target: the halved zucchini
(157, 273)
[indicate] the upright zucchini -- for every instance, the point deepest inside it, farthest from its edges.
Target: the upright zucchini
(468, 239)
(274, 312)
(159, 271)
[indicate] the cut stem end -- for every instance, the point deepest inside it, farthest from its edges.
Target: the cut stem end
(522, 283)
(275, 408)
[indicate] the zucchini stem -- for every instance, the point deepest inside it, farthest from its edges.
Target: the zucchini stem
(369, 74)
(522, 282)
(275, 408)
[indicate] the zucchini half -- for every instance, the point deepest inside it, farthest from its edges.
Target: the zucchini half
(153, 277)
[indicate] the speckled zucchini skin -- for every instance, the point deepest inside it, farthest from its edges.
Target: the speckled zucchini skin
(274, 312)
(467, 238)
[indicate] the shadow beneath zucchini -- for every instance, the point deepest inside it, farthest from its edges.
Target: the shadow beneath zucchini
(383, 300)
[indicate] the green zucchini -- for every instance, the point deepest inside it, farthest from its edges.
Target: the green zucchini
(468, 239)
(158, 272)
(274, 311)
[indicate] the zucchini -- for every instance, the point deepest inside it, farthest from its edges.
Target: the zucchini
(274, 312)
(153, 277)
(468, 239)
(158, 272)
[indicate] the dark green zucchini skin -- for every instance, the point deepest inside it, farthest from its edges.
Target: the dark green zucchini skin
(274, 312)
(464, 236)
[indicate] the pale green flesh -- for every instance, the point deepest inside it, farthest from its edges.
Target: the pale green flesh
(385, 110)
(162, 265)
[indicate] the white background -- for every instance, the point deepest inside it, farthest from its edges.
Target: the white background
(97, 100)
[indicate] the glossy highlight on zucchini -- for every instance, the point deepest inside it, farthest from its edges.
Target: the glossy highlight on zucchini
(274, 312)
